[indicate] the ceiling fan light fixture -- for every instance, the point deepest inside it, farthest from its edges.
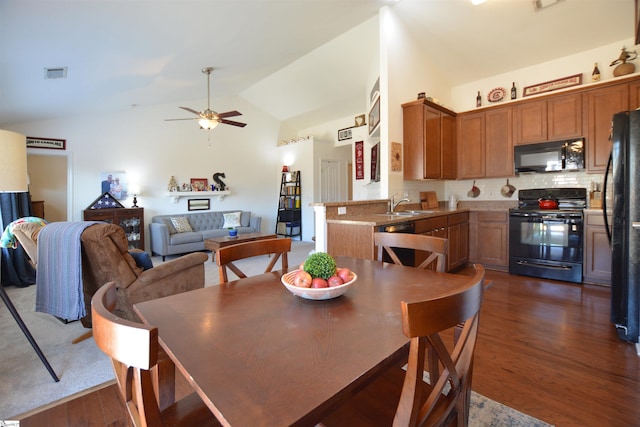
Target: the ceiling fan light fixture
(207, 124)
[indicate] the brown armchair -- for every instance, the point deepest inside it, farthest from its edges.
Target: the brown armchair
(106, 258)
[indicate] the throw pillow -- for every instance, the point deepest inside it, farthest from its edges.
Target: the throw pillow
(231, 219)
(181, 224)
(142, 259)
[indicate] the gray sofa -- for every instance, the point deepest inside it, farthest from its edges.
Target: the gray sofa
(166, 240)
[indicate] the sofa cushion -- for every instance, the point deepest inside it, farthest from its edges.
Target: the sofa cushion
(231, 219)
(181, 224)
(188, 237)
(167, 221)
(245, 219)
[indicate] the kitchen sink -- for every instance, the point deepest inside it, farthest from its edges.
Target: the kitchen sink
(406, 213)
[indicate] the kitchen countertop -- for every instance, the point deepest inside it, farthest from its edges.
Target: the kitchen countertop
(378, 219)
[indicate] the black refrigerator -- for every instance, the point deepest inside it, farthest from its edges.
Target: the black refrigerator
(624, 231)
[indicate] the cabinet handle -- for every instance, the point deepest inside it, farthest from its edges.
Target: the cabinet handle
(635, 224)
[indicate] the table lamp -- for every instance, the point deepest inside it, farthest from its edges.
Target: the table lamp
(13, 179)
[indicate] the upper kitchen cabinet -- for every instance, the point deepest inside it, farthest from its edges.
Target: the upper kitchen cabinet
(485, 146)
(552, 119)
(429, 141)
(601, 105)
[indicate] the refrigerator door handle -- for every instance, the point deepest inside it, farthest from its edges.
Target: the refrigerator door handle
(635, 224)
(604, 197)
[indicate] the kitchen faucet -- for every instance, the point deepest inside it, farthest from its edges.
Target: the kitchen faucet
(395, 204)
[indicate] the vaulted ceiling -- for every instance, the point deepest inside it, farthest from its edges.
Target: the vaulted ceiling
(145, 52)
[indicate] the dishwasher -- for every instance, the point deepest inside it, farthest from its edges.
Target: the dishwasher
(407, 256)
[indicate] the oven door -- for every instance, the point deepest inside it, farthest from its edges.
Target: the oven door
(548, 245)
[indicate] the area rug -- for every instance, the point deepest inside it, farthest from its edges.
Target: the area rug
(25, 383)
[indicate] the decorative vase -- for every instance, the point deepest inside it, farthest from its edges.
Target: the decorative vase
(233, 232)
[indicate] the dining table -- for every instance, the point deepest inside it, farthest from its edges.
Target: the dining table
(258, 355)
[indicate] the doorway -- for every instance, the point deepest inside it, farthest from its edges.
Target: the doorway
(50, 184)
(330, 181)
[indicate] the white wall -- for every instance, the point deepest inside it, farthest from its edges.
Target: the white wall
(151, 150)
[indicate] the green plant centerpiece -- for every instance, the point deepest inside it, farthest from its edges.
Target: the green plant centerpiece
(320, 264)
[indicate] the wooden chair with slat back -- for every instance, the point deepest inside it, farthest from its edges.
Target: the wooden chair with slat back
(134, 352)
(413, 398)
(226, 256)
(437, 246)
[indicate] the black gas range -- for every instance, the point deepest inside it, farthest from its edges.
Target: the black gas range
(548, 243)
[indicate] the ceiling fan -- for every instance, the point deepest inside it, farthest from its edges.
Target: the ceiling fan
(209, 119)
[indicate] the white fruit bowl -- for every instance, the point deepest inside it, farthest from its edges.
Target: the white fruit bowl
(315, 293)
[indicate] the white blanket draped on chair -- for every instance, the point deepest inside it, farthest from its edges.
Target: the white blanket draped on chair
(59, 273)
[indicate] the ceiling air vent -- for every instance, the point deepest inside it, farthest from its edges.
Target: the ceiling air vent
(55, 73)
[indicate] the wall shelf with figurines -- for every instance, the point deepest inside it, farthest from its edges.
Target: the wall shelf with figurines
(196, 188)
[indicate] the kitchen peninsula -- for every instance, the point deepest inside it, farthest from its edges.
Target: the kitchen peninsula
(346, 228)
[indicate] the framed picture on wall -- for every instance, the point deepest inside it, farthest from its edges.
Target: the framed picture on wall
(374, 116)
(198, 204)
(344, 134)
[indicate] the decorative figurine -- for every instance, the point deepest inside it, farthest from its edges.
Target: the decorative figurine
(624, 68)
(221, 185)
(173, 184)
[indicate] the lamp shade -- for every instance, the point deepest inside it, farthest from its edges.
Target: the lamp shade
(13, 162)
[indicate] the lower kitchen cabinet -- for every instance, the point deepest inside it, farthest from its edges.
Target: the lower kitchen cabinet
(489, 239)
(458, 235)
(597, 252)
(435, 227)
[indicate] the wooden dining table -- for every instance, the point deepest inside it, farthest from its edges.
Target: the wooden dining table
(259, 356)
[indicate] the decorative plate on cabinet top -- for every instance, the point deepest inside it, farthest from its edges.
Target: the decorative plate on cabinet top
(497, 94)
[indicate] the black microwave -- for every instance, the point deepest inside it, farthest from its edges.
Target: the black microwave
(549, 156)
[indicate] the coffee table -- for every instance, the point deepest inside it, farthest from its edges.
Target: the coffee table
(215, 243)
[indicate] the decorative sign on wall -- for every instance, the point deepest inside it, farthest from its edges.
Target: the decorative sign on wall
(553, 85)
(359, 147)
(53, 144)
(396, 157)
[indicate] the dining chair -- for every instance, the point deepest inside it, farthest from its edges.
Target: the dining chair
(415, 397)
(134, 352)
(436, 246)
(226, 256)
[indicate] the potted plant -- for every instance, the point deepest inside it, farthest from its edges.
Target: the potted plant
(233, 232)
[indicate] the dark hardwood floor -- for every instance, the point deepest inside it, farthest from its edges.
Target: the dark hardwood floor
(545, 348)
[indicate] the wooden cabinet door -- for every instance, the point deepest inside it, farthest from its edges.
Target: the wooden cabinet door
(449, 151)
(489, 238)
(602, 104)
(634, 95)
(564, 117)
(530, 122)
(413, 125)
(432, 143)
(471, 150)
(498, 143)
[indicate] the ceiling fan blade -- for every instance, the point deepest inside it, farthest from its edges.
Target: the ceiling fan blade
(232, 123)
(191, 110)
(171, 120)
(229, 114)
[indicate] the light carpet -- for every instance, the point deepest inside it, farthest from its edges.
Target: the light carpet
(26, 385)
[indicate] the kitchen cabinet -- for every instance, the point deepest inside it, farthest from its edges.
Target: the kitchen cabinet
(429, 141)
(458, 235)
(601, 105)
(131, 220)
(489, 239)
(553, 119)
(597, 252)
(485, 144)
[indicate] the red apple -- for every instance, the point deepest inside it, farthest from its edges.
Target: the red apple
(319, 282)
(345, 274)
(335, 281)
(302, 279)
